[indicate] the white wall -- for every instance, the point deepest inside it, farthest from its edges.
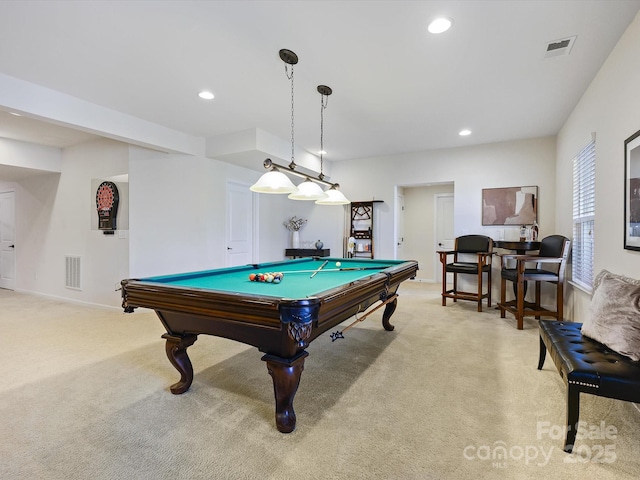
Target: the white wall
(177, 202)
(53, 219)
(29, 155)
(470, 169)
(611, 108)
(178, 214)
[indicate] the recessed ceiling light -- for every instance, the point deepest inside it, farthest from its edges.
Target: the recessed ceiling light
(440, 25)
(322, 152)
(464, 133)
(206, 95)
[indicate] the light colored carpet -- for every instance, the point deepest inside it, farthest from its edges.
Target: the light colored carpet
(85, 396)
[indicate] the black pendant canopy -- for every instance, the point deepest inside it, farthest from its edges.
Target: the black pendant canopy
(287, 56)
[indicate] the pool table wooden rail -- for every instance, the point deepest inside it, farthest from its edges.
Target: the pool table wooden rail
(281, 328)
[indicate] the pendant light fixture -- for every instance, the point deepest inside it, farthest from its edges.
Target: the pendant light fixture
(308, 190)
(333, 196)
(275, 181)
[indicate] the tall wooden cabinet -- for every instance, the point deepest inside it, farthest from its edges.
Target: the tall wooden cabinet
(362, 219)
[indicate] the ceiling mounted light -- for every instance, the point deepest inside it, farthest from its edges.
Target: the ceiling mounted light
(465, 132)
(440, 25)
(275, 181)
(206, 95)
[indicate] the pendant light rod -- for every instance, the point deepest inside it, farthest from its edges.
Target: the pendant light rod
(324, 92)
(269, 164)
(290, 58)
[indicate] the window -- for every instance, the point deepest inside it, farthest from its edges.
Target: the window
(584, 204)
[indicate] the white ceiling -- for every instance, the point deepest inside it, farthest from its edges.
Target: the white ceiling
(396, 88)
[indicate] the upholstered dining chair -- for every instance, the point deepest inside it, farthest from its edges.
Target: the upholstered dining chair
(550, 263)
(471, 256)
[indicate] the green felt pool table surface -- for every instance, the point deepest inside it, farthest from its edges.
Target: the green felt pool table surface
(281, 320)
(296, 283)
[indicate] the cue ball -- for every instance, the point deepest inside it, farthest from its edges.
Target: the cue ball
(338, 264)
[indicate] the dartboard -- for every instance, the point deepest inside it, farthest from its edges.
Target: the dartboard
(105, 196)
(107, 199)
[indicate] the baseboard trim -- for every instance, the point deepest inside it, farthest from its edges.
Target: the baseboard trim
(69, 300)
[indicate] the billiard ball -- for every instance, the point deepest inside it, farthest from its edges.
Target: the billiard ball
(338, 264)
(252, 277)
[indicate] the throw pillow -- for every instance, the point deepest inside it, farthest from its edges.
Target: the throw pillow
(614, 314)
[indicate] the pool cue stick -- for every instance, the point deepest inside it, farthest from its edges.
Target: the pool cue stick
(340, 333)
(319, 268)
(333, 269)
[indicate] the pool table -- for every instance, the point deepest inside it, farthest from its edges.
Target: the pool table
(281, 319)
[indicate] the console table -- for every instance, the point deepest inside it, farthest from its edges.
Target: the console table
(307, 252)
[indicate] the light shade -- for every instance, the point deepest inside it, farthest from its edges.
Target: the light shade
(273, 182)
(334, 197)
(308, 190)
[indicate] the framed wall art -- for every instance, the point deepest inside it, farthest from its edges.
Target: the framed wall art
(632, 192)
(510, 206)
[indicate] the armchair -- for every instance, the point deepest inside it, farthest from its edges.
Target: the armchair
(550, 265)
(471, 256)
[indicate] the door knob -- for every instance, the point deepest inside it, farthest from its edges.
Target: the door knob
(12, 246)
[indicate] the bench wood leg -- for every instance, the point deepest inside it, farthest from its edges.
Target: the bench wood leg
(543, 354)
(573, 412)
(480, 290)
(503, 297)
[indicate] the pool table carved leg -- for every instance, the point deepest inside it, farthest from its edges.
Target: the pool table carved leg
(176, 348)
(286, 378)
(388, 311)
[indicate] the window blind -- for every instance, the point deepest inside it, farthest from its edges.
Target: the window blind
(584, 209)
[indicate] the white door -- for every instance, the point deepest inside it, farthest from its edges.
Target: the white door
(400, 225)
(240, 215)
(7, 241)
(445, 239)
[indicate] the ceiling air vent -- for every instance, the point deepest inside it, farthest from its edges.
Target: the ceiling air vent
(560, 47)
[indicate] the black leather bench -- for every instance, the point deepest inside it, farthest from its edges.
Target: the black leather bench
(586, 366)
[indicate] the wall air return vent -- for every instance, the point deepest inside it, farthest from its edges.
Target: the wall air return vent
(72, 272)
(560, 47)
